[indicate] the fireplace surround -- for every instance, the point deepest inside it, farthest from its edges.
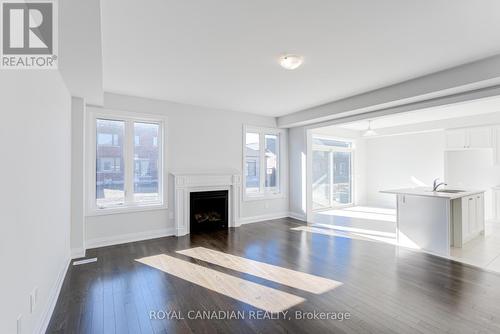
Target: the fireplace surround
(187, 183)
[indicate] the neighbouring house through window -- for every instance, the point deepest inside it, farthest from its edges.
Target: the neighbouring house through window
(129, 162)
(262, 161)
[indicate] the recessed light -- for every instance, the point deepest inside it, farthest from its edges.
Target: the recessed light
(291, 62)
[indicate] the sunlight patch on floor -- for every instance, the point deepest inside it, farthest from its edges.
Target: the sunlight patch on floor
(284, 276)
(362, 213)
(260, 296)
(357, 230)
(369, 209)
(404, 241)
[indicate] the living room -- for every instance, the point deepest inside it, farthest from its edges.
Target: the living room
(250, 166)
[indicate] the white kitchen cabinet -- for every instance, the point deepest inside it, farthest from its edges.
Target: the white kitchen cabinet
(496, 204)
(479, 137)
(496, 144)
(456, 139)
(472, 219)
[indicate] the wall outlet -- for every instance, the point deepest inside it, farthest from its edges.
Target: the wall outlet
(19, 323)
(32, 303)
(33, 299)
(35, 295)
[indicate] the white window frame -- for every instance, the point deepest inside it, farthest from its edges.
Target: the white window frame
(264, 193)
(128, 156)
(331, 149)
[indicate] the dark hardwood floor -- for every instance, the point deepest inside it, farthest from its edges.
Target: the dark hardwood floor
(384, 290)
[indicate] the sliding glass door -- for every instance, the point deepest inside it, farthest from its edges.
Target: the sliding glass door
(342, 178)
(322, 180)
(332, 174)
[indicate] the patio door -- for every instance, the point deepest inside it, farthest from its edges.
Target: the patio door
(332, 174)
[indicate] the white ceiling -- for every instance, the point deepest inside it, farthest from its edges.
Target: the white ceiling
(223, 54)
(472, 108)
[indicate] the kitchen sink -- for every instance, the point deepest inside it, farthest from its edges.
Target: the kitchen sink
(450, 191)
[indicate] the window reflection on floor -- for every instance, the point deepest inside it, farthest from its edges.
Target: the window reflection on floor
(284, 276)
(257, 295)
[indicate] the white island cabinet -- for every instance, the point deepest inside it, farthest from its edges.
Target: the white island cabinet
(434, 221)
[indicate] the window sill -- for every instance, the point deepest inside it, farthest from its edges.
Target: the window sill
(126, 209)
(260, 197)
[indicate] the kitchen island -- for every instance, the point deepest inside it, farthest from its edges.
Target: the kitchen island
(434, 221)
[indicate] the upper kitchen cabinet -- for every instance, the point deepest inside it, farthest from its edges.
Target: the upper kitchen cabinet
(456, 139)
(496, 144)
(480, 137)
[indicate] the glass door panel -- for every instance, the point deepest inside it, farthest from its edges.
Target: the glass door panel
(321, 180)
(342, 178)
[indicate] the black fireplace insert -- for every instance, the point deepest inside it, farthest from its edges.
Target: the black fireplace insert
(208, 210)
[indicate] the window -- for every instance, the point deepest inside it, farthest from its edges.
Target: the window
(128, 162)
(332, 176)
(146, 157)
(262, 162)
(110, 182)
(252, 157)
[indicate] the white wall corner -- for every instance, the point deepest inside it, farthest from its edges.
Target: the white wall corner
(77, 253)
(43, 324)
(296, 215)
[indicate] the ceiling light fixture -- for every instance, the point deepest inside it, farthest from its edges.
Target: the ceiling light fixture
(369, 132)
(291, 62)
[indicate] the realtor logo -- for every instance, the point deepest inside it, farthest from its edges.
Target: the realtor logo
(28, 35)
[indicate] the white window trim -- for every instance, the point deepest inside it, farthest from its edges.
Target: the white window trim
(90, 154)
(277, 192)
(352, 150)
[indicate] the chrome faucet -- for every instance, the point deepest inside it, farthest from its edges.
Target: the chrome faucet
(436, 185)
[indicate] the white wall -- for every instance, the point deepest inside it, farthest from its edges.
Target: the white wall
(80, 51)
(297, 152)
(35, 193)
(199, 139)
(400, 162)
(77, 177)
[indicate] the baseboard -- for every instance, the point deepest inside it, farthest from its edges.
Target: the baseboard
(131, 237)
(53, 297)
(255, 219)
(299, 216)
(77, 253)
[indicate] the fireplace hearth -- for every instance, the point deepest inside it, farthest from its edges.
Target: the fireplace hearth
(208, 210)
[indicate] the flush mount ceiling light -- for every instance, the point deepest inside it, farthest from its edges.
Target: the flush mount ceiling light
(291, 62)
(369, 132)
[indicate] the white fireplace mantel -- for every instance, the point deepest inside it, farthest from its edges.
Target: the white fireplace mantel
(185, 183)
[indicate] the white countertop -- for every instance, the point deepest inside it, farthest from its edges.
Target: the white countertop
(421, 191)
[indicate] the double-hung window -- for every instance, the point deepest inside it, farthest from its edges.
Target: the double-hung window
(126, 162)
(261, 162)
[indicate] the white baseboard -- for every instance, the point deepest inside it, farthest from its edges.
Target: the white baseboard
(255, 219)
(131, 237)
(52, 301)
(299, 216)
(77, 253)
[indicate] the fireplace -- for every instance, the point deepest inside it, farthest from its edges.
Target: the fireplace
(208, 210)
